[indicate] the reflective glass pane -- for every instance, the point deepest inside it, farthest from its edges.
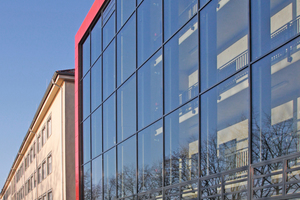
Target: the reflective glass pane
(126, 51)
(96, 41)
(124, 10)
(110, 8)
(109, 30)
(86, 56)
(86, 104)
(87, 192)
(96, 82)
(176, 14)
(109, 123)
(181, 66)
(96, 125)
(127, 167)
(276, 104)
(139, 1)
(126, 106)
(223, 40)
(203, 2)
(86, 140)
(97, 178)
(273, 23)
(150, 158)
(190, 191)
(149, 29)
(109, 69)
(181, 144)
(224, 125)
(110, 174)
(150, 91)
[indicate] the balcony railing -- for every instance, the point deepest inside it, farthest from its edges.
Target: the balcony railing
(286, 31)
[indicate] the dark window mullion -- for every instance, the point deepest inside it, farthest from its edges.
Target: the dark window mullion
(163, 100)
(250, 171)
(136, 97)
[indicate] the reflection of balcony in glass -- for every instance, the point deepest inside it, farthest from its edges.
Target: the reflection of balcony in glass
(233, 147)
(283, 24)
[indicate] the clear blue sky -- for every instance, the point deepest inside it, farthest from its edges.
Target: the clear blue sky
(36, 39)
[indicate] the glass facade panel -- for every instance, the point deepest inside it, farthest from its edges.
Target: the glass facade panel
(96, 85)
(181, 66)
(176, 14)
(96, 40)
(149, 24)
(97, 179)
(126, 51)
(109, 123)
(86, 96)
(150, 91)
(224, 43)
(124, 10)
(181, 144)
(276, 104)
(273, 23)
(126, 106)
(167, 104)
(224, 125)
(109, 30)
(110, 174)
(86, 140)
(109, 70)
(150, 158)
(108, 10)
(127, 168)
(96, 124)
(86, 61)
(87, 192)
(203, 2)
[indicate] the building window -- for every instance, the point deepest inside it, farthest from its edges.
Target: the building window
(40, 174)
(31, 154)
(44, 136)
(44, 170)
(34, 176)
(44, 197)
(39, 144)
(50, 195)
(28, 185)
(127, 167)
(25, 163)
(276, 104)
(227, 145)
(34, 150)
(26, 188)
(31, 182)
(49, 127)
(49, 161)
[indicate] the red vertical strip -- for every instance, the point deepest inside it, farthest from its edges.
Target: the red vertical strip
(78, 37)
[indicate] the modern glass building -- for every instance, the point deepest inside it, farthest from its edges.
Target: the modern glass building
(188, 99)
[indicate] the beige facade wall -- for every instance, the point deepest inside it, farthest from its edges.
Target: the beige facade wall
(59, 146)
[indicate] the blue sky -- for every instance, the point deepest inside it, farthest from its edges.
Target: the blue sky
(36, 39)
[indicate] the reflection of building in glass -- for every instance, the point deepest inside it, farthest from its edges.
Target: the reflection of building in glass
(193, 99)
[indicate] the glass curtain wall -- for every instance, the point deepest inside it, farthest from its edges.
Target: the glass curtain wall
(191, 99)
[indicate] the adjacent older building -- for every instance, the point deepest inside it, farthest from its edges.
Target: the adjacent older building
(188, 99)
(44, 165)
